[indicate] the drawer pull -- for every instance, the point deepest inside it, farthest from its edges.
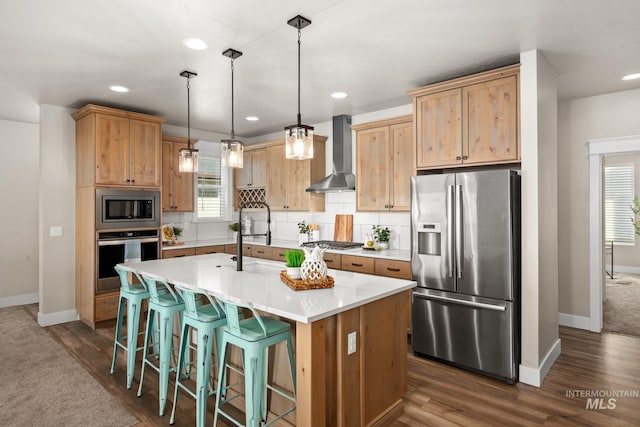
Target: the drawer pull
(356, 265)
(393, 269)
(328, 261)
(260, 252)
(179, 256)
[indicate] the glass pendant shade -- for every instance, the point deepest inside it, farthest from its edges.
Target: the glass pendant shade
(299, 143)
(188, 160)
(232, 153)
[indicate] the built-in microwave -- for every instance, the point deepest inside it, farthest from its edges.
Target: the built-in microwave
(127, 208)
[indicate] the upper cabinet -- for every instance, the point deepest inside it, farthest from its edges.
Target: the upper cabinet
(254, 170)
(384, 164)
(287, 180)
(177, 188)
(468, 121)
(117, 148)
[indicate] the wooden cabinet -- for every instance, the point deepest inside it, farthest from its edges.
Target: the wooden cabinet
(254, 170)
(277, 254)
(333, 260)
(287, 180)
(384, 162)
(177, 253)
(358, 264)
(392, 268)
(117, 148)
(177, 187)
(106, 306)
(265, 252)
(468, 121)
(214, 249)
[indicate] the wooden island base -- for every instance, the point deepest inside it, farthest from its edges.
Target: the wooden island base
(360, 389)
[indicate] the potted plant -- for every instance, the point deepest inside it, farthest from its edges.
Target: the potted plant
(234, 226)
(303, 232)
(177, 232)
(294, 258)
(382, 236)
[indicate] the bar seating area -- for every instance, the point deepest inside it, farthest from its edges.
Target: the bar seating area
(201, 319)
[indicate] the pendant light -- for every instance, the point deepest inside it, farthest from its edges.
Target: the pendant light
(232, 149)
(188, 157)
(299, 137)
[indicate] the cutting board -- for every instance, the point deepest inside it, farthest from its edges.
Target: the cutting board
(343, 229)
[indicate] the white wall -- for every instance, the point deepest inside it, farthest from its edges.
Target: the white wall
(580, 120)
(19, 175)
(57, 276)
(539, 329)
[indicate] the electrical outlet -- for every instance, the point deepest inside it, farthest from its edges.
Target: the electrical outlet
(351, 343)
(55, 231)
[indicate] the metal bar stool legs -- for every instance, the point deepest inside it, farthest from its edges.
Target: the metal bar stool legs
(254, 336)
(207, 321)
(131, 297)
(164, 302)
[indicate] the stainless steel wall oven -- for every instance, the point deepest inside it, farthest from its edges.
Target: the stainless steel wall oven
(111, 250)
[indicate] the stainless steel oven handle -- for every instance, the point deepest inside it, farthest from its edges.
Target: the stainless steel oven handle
(123, 241)
(460, 302)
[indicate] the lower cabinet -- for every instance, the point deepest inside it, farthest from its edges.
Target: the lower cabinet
(215, 249)
(106, 306)
(177, 253)
(393, 268)
(333, 260)
(358, 264)
(262, 252)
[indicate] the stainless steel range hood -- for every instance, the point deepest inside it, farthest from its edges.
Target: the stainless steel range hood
(342, 179)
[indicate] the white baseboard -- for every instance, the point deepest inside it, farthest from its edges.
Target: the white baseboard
(535, 376)
(574, 321)
(19, 300)
(57, 317)
(623, 269)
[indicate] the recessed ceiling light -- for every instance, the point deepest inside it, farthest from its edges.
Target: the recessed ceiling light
(338, 95)
(631, 76)
(120, 89)
(195, 44)
(252, 118)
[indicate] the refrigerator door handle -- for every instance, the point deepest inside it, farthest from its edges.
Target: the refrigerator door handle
(450, 226)
(460, 302)
(459, 230)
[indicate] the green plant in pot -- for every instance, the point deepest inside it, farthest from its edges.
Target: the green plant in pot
(382, 236)
(294, 258)
(177, 231)
(303, 232)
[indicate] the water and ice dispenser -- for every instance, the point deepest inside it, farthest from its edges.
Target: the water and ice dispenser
(429, 236)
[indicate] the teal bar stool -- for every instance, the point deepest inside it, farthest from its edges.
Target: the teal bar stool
(132, 297)
(253, 336)
(207, 320)
(165, 303)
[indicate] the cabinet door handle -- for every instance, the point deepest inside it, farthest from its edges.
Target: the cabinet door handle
(393, 269)
(133, 180)
(458, 158)
(260, 252)
(356, 265)
(328, 261)
(465, 157)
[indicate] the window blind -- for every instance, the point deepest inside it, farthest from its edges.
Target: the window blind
(619, 189)
(212, 184)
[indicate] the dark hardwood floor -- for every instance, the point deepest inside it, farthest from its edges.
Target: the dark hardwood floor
(438, 394)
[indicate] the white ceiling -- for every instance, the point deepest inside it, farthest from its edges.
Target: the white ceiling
(68, 53)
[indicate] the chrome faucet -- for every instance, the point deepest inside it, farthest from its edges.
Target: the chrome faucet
(240, 235)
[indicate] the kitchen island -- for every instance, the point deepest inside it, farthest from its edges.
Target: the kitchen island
(334, 385)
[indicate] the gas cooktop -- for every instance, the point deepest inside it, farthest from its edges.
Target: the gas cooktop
(333, 244)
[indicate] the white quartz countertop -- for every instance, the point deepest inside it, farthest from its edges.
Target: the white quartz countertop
(260, 285)
(395, 254)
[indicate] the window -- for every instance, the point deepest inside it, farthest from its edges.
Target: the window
(619, 190)
(212, 184)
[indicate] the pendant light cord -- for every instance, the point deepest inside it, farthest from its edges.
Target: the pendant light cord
(299, 116)
(188, 113)
(233, 134)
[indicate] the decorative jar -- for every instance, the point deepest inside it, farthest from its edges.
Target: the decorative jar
(313, 267)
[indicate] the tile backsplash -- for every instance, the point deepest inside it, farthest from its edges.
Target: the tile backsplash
(284, 225)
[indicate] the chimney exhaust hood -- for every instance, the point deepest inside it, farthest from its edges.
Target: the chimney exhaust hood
(342, 178)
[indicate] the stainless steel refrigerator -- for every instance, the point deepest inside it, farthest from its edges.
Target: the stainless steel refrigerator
(466, 259)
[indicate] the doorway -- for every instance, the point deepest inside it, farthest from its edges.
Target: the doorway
(621, 291)
(598, 150)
